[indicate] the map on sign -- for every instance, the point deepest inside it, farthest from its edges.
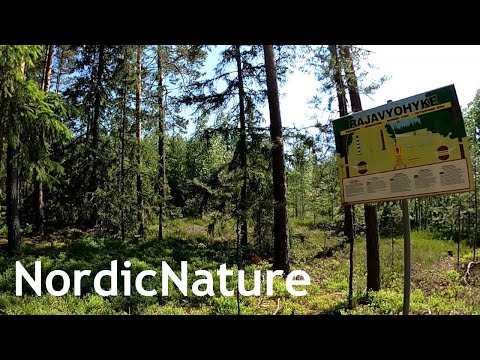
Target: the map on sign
(407, 148)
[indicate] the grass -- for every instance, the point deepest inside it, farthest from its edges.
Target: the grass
(437, 283)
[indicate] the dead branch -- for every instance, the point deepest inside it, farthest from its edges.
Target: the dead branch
(259, 303)
(470, 265)
(278, 306)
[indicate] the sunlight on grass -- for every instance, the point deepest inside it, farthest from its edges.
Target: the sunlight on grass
(437, 286)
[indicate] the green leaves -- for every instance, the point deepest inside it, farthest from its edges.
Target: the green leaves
(32, 118)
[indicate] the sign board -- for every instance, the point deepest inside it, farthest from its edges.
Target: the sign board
(404, 149)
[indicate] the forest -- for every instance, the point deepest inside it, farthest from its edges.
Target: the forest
(163, 153)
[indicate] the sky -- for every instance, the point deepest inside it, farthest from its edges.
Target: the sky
(412, 69)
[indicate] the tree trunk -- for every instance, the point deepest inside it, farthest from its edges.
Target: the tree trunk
(161, 143)
(340, 87)
(243, 150)
(122, 140)
(475, 239)
(95, 134)
(342, 106)
(60, 68)
(371, 221)
(259, 239)
(281, 256)
(38, 186)
(302, 192)
(13, 220)
(295, 214)
(98, 99)
(373, 251)
(348, 228)
(419, 226)
(2, 140)
(138, 118)
(47, 77)
(13, 187)
(249, 109)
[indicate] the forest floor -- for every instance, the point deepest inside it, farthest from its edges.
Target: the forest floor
(439, 286)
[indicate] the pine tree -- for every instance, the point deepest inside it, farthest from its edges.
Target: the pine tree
(371, 221)
(174, 62)
(123, 91)
(24, 108)
(161, 139)
(329, 75)
(242, 150)
(12, 68)
(281, 260)
(342, 107)
(39, 205)
(242, 70)
(138, 134)
(93, 132)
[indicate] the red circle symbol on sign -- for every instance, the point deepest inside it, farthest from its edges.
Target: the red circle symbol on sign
(362, 167)
(443, 153)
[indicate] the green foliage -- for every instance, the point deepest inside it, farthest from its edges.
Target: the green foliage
(54, 142)
(437, 286)
(31, 121)
(318, 60)
(52, 305)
